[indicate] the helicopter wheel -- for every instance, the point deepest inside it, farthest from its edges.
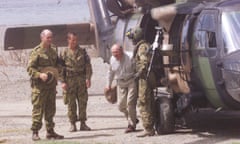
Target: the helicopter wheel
(165, 121)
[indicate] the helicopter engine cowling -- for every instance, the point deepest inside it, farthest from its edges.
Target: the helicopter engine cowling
(231, 75)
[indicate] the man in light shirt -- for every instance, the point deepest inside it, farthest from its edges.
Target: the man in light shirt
(122, 68)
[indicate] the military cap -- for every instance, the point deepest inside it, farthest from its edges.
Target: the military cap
(52, 74)
(111, 95)
(134, 33)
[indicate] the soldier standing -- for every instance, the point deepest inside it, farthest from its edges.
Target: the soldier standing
(146, 84)
(76, 78)
(42, 68)
(123, 67)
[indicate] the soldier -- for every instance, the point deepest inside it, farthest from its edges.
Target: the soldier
(42, 68)
(123, 67)
(146, 84)
(75, 81)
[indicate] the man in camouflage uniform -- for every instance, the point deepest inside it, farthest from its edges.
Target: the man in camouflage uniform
(146, 84)
(43, 56)
(76, 78)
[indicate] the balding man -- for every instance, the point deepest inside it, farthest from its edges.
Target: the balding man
(42, 69)
(122, 67)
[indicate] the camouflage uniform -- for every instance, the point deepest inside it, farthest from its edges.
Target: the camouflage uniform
(78, 69)
(43, 95)
(146, 85)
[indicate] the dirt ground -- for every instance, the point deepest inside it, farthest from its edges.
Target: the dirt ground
(107, 123)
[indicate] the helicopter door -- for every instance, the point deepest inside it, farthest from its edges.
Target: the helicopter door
(205, 54)
(206, 34)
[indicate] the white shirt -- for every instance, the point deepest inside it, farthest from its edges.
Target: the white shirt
(123, 71)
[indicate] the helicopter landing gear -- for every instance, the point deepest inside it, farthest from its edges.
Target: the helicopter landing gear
(165, 121)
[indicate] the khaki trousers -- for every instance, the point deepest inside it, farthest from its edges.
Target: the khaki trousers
(127, 101)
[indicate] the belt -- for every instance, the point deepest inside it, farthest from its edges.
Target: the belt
(125, 79)
(73, 73)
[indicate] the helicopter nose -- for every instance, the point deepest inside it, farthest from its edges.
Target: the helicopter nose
(231, 76)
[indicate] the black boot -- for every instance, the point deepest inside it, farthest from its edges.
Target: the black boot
(35, 136)
(51, 134)
(84, 127)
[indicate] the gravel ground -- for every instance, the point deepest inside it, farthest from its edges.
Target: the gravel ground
(107, 123)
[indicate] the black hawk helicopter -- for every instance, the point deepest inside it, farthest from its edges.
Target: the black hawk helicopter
(196, 48)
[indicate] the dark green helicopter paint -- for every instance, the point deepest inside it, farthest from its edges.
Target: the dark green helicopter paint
(209, 60)
(198, 28)
(204, 71)
(202, 56)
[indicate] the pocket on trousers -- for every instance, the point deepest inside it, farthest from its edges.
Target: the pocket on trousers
(65, 98)
(35, 96)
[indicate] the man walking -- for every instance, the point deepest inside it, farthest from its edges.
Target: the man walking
(123, 67)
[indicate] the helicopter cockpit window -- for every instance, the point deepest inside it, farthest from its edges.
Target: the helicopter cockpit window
(205, 35)
(212, 40)
(231, 31)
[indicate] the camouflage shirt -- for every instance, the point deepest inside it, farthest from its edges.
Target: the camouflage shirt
(40, 58)
(142, 58)
(76, 63)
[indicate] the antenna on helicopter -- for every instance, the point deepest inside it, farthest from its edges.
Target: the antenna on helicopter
(159, 35)
(155, 45)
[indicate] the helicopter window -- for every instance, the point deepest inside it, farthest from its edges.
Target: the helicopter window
(212, 44)
(212, 40)
(231, 31)
(208, 22)
(205, 36)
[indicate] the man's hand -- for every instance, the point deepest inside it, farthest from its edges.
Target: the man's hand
(43, 76)
(64, 86)
(88, 83)
(107, 88)
(136, 76)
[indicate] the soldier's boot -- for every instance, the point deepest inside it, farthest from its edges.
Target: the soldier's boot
(84, 127)
(35, 136)
(147, 133)
(51, 134)
(73, 127)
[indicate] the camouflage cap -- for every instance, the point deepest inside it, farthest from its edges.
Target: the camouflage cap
(134, 33)
(111, 95)
(52, 74)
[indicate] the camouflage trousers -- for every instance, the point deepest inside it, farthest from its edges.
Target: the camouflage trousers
(76, 97)
(146, 104)
(44, 104)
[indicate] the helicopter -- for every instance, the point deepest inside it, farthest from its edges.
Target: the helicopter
(195, 46)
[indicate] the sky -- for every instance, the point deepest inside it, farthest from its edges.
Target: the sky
(43, 12)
